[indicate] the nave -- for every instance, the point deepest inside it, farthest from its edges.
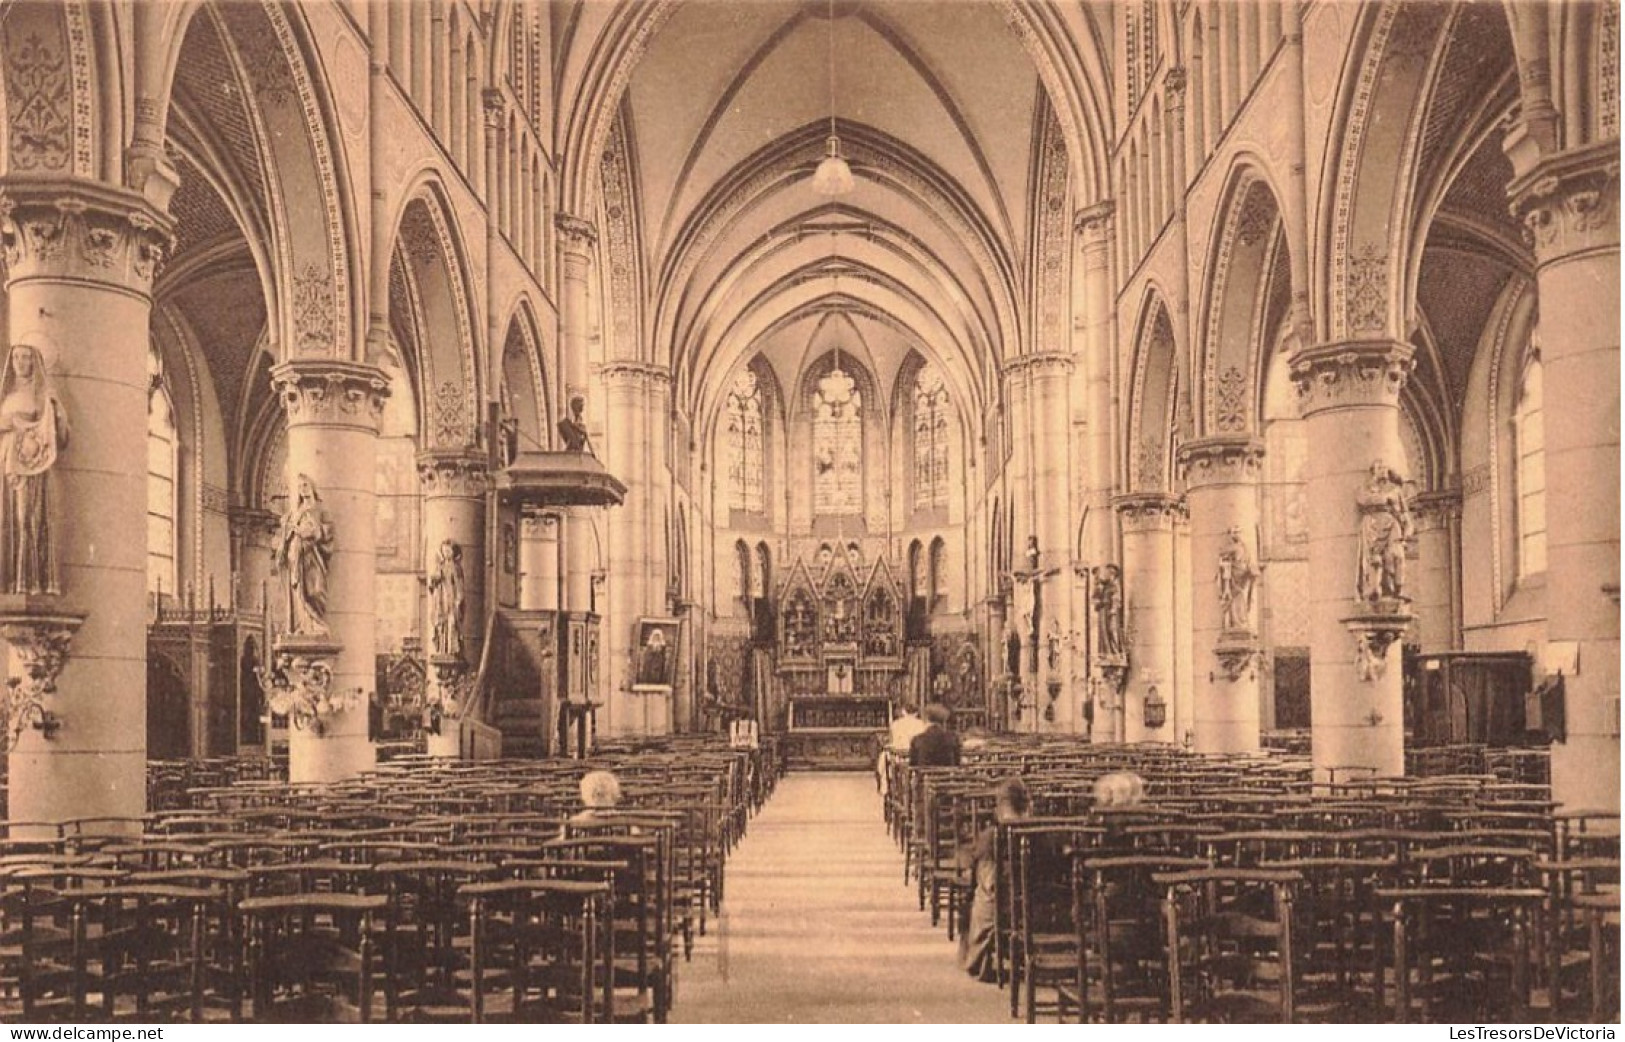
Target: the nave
(817, 926)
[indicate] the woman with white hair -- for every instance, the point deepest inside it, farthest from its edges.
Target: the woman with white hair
(600, 792)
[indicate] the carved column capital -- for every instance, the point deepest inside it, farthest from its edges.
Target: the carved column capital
(1351, 374)
(250, 521)
(634, 373)
(1041, 364)
(495, 107)
(1093, 224)
(576, 235)
(1148, 511)
(1174, 81)
(1569, 203)
(1435, 510)
(453, 473)
(331, 393)
(538, 523)
(1224, 459)
(81, 230)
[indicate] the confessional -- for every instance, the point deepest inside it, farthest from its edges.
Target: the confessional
(1468, 697)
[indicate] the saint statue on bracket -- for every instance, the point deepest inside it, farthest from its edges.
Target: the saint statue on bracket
(33, 430)
(303, 555)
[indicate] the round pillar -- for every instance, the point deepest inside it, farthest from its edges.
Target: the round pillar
(334, 408)
(1348, 395)
(454, 489)
(1221, 477)
(539, 560)
(1048, 380)
(80, 259)
(1148, 584)
(1438, 528)
(576, 239)
(625, 442)
(1569, 202)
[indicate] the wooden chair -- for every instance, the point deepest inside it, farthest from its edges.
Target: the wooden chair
(1338, 969)
(150, 949)
(1460, 953)
(536, 941)
(311, 956)
(1122, 969)
(1229, 944)
(421, 976)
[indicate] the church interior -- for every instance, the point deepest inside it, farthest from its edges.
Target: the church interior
(1052, 502)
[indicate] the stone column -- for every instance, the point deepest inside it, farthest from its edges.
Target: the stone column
(454, 488)
(80, 259)
(1148, 585)
(253, 537)
(1436, 570)
(626, 438)
(1183, 710)
(539, 560)
(1222, 473)
(334, 408)
(575, 240)
(1348, 395)
(1048, 380)
(1569, 201)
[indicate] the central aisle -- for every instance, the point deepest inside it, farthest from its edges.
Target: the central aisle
(817, 926)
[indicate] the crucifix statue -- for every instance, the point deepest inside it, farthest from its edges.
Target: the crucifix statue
(1029, 584)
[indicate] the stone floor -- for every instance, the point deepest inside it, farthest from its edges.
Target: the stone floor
(818, 927)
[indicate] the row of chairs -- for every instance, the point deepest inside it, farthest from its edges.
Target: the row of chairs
(424, 891)
(1338, 894)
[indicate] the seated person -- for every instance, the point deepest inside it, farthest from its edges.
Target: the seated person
(935, 746)
(1011, 802)
(1120, 790)
(600, 793)
(904, 729)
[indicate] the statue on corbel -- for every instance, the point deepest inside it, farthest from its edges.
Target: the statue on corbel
(1383, 607)
(298, 676)
(1237, 577)
(33, 433)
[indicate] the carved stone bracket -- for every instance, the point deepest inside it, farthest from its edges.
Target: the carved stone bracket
(1225, 459)
(299, 683)
(1236, 654)
(1374, 633)
(454, 681)
(40, 641)
(1112, 671)
(455, 473)
(331, 392)
(1352, 373)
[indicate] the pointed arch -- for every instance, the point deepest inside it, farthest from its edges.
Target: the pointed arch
(1151, 407)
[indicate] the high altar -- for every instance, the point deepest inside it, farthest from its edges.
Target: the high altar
(840, 657)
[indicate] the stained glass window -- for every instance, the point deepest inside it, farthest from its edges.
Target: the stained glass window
(837, 445)
(1529, 437)
(746, 453)
(161, 466)
(930, 440)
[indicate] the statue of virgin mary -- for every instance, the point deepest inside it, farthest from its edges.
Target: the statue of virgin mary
(33, 430)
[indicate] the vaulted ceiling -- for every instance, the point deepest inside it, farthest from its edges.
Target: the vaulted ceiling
(940, 111)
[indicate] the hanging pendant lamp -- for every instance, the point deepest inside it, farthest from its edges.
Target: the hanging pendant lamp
(833, 176)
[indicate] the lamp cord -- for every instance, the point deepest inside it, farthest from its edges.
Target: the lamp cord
(832, 68)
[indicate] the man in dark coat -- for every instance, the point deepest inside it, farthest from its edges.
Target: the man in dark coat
(936, 746)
